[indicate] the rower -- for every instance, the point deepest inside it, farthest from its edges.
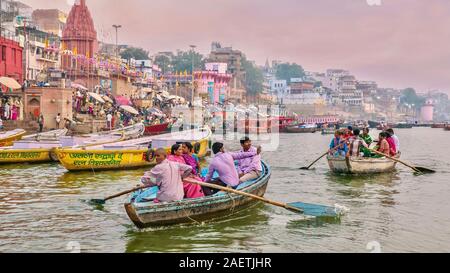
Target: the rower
(249, 168)
(223, 164)
(338, 146)
(168, 177)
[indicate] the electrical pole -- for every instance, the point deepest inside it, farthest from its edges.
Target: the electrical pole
(117, 39)
(193, 87)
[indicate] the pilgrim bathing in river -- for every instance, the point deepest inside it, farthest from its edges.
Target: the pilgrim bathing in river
(182, 164)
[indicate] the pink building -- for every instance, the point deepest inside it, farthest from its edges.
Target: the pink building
(213, 83)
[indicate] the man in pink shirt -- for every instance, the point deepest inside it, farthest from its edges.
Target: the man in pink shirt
(168, 177)
(249, 168)
(223, 164)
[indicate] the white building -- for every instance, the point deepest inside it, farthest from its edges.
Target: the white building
(332, 78)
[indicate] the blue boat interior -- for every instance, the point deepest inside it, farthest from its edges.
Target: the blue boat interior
(148, 195)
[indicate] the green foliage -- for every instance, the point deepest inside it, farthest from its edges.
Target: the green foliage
(134, 53)
(254, 77)
(164, 63)
(409, 96)
(183, 61)
(287, 71)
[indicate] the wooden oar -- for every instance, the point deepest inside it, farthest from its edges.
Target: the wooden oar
(322, 156)
(298, 207)
(419, 170)
(103, 201)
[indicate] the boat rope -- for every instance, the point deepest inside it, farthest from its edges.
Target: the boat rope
(234, 202)
(190, 218)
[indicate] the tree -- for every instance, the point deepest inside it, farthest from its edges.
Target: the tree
(254, 77)
(287, 71)
(164, 63)
(134, 53)
(183, 61)
(409, 96)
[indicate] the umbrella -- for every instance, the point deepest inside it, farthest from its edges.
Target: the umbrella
(97, 97)
(10, 83)
(78, 86)
(122, 100)
(108, 99)
(129, 109)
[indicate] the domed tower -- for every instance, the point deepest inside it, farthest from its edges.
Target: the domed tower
(79, 34)
(427, 111)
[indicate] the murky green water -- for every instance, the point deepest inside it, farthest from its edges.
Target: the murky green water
(41, 211)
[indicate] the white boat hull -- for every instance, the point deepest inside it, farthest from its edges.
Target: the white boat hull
(361, 165)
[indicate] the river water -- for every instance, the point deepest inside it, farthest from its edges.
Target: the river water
(41, 211)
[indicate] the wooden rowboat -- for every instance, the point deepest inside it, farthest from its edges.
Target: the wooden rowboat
(144, 213)
(33, 148)
(131, 153)
(360, 165)
(7, 138)
(151, 130)
(439, 126)
(299, 130)
(328, 131)
(51, 135)
(40, 148)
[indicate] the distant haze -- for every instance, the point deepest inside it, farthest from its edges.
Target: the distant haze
(400, 43)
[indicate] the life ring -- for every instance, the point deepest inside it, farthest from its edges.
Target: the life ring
(150, 155)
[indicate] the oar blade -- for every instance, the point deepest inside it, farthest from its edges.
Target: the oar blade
(425, 170)
(316, 210)
(96, 202)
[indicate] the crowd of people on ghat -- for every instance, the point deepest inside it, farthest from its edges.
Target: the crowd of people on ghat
(354, 143)
(227, 169)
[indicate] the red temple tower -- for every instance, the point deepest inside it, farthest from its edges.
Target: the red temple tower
(79, 35)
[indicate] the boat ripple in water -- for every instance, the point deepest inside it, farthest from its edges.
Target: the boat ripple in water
(341, 209)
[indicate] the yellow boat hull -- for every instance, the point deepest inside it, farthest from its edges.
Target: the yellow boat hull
(25, 156)
(84, 160)
(8, 141)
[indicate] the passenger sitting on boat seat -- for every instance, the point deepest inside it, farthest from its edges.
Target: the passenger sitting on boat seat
(168, 177)
(383, 145)
(368, 140)
(249, 168)
(338, 140)
(348, 133)
(395, 138)
(366, 136)
(190, 190)
(355, 144)
(191, 158)
(223, 164)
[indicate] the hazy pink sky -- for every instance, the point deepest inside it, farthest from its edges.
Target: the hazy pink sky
(399, 44)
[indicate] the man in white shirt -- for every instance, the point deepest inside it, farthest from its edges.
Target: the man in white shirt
(109, 120)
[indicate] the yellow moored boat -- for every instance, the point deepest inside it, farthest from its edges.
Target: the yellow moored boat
(132, 153)
(33, 148)
(41, 147)
(7, 138)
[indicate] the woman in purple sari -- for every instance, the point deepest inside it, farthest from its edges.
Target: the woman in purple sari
(191, 158)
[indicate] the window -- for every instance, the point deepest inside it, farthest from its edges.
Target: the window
(14, 56)
(3, 53)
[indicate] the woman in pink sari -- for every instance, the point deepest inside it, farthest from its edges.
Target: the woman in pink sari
(14, 112)
(190, 190)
